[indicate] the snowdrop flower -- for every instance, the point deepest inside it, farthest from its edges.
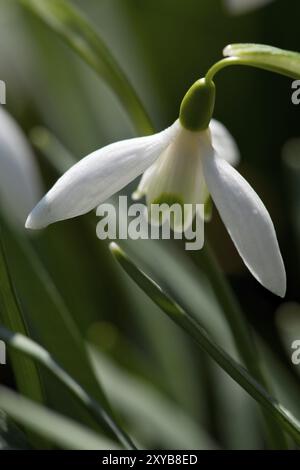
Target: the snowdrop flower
(20, 184)
(185, 163)
(243, 6)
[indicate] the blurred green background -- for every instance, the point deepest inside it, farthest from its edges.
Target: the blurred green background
(165, 393)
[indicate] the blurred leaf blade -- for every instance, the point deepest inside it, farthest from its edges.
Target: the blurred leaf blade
(26, 373)
(77, 32)
(140, 403)
(197, 332)
(67, 343)
(34, 351)
(56, 428)
(11, 436)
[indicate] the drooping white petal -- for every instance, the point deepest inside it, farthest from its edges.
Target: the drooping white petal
(247, 221)
(177, 176)
(20, 183)
(223, 143)
(243, 6)
(99, 175)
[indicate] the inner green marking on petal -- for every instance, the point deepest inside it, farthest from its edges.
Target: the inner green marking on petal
(169, 199)
(208, 207)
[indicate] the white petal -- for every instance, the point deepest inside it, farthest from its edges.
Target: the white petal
(178, 171)
(20, 183)
(99, 175)
(223, 143)
(243, 6)
(247, 221)
(144, 183)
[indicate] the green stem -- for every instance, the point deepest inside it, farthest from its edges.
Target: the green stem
(250, 62)
(242, 334)
(221, 64)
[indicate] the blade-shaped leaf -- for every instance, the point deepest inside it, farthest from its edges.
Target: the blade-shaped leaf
(78, 33)
(142, 403)
(34, 351)
(57, 154)
(26, 373)
(54, 326)
(11, 436)
(56, 428)
(186, 321)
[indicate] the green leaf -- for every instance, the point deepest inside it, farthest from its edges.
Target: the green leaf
(78, 33)
(37, 353)
(186, 321)
(26, 373)
(56, 428)
(283, 379)
(140, 402)
(11, 436)
(266, 57)
(47, 143)
(54, 326)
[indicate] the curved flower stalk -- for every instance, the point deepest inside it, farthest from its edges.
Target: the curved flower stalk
(185, 163)
(243, 6)
(20, 183)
